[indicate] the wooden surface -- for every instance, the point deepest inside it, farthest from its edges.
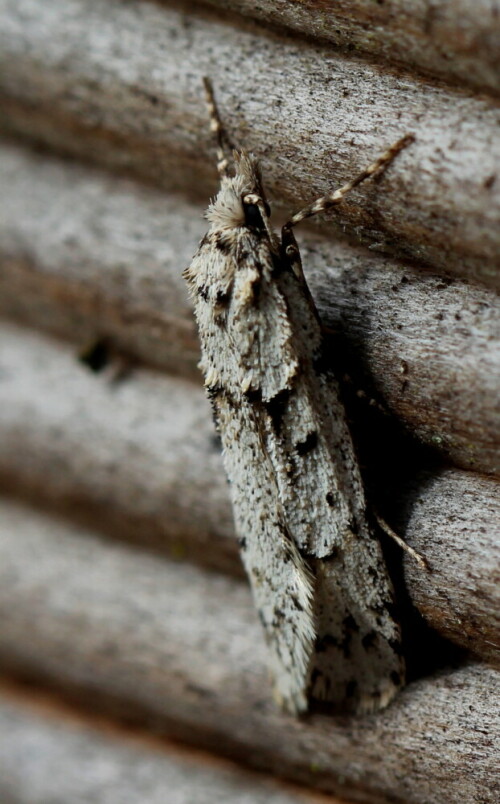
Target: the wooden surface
(138, 454)
(144, 649)
(104, 259)
(136, 457)
(46, 737)
(102, 94)
(110, 472)
(453, 518)
(453, 39)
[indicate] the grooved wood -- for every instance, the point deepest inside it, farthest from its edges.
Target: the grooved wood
(136, 457)
(97, 606)
(104, 259)
(184, 649)
(80, 78)
(457, 518)
(135, 452)
(457, 40)
(111, 766)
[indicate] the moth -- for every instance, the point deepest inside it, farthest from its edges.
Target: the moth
(316, 568)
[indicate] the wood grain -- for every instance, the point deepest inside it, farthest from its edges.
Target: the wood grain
(104, 260)
(121, 460)
(110, 765)
(114, 447)
(457, 519)
(136, 457)
(184, 649)
(93, 89)
(457, 40)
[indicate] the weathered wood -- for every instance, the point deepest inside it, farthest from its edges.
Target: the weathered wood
(137, 458)
(457, 519)
(49, 752)
(131, 454)
(104, 259)
(78, 77)
(170, 642)
(122, 451)
(458, 40)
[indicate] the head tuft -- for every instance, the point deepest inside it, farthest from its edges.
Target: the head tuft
(226, 210)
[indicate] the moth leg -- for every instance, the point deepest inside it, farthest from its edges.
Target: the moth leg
(217, 129)
(291, 254)
(401, 542)
(327, 201)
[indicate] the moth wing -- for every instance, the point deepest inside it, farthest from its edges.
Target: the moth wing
(282, 584)
(357, 659)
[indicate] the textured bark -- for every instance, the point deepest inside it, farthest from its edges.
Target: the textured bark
(81, 78)
(184, 649)
(105, 764)
(104, 259)
(137, 457)
(457, 40)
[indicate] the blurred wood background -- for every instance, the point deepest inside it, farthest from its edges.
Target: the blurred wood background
(132, 665)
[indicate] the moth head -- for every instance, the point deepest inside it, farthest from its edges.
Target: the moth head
(240, 200)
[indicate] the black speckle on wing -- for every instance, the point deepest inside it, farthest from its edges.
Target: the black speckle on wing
(256, 290)
(213, 391)
(325, 642)
(222, 298)
(324, 688)
(296, 603)
(308, 444)
(350, 623)
(254, 395)
(331, 499)
(276, 408)
(345, 644)
(369, 640)
(222, 244)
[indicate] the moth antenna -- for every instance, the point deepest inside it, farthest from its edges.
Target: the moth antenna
(217, 128)
(332, 199)
(401, 543)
